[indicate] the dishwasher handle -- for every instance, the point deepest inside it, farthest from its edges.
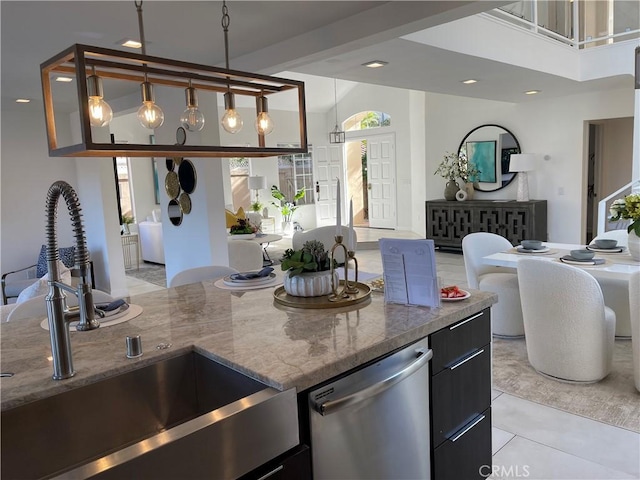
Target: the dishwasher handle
(332, 406)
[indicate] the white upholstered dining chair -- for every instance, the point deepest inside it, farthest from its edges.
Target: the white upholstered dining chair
(506, 315)
(245, 255)
(616, 291)
(568, 329)
(199, 274)
(326, 235)
(634, 307)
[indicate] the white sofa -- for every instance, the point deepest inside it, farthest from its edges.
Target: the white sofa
(151, 242)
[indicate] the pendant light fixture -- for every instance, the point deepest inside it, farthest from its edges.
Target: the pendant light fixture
(100, 113)
(264, 124)
(192, 118)
(337, 135)
(150, 115)
(231, 120)
(126, 70)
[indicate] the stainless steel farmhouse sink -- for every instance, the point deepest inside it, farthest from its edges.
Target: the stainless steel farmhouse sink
(184, 417)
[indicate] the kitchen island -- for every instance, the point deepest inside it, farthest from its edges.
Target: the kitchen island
(279, 346)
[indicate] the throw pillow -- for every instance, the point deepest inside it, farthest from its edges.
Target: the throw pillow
(41, 286)
(66, 256)
(232, 218)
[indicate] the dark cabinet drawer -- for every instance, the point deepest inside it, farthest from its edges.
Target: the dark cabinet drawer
(459, 393)
(292, 465)
(467, 454)
(453, 343)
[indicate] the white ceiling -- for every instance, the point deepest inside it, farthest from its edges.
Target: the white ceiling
(322, 38)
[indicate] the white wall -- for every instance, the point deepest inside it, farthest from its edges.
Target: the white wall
(555, 127)
(27, 172)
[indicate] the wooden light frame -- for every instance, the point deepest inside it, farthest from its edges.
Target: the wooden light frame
(79, 60)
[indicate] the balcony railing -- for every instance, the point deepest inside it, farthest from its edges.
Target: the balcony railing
(599, 22)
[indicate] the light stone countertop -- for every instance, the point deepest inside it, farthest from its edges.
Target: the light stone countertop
(279, 346)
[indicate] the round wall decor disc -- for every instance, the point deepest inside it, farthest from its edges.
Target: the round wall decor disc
(172, 185)
(185, 203)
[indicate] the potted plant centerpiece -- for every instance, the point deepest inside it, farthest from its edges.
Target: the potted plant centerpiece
(456, 166)
(628, 208)
(286, 207)
(308, 271)
(243, 229)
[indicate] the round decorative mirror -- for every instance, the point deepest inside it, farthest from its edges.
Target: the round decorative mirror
(175, 212)
(489, 148)
(187, 175)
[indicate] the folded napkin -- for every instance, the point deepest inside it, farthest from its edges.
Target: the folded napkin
(113, 308)
(265, 272)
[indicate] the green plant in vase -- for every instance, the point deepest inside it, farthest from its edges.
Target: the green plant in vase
(456, 166)
(311, 258)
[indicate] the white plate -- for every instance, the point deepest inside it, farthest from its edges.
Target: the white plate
(593, 248)
(242, 236)
(584, 263)
(252, 281)
(521, 249)
(466, 295)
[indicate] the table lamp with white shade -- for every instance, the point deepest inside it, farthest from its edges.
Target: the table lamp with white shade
(257, 183)
(522, 163)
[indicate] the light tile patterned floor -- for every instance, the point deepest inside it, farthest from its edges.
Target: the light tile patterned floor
(530, 440)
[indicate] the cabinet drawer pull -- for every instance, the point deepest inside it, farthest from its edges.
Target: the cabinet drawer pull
(477, 421)
(466, 321)
(465, 360)
(273, 472)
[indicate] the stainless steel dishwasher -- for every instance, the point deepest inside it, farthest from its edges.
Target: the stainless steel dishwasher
(374, 423)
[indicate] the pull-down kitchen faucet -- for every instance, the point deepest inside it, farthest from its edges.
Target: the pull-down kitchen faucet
(57, 312)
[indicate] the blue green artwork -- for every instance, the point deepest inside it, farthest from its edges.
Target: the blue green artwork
(482, 155)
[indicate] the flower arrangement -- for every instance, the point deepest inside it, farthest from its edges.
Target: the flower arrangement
(285, 206)
(455, 166)
(242, 227)
(627, 208)
(311, 258)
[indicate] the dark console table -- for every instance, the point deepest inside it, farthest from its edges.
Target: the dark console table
(449, 221)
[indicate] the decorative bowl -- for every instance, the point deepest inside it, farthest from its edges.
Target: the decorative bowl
(605, 243)
(531, 244)
(582, 254)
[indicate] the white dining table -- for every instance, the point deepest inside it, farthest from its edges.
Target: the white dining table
(616, 265)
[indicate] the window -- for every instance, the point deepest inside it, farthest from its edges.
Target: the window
(239, 170)
(296, 172)
(365, 120)
(125, 197)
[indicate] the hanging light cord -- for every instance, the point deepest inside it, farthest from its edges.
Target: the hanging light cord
(225, 26)
(335, 99)
(138, 4)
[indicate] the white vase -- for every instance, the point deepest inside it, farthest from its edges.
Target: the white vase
(468, 186)
(287, 228)
(310, 284)
(634, 245)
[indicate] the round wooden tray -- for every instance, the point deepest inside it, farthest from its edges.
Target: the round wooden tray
(283, 298)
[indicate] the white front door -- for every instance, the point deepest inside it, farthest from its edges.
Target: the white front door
(381, 179)
(327, 161)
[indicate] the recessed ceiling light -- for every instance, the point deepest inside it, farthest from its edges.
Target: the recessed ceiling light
(532, 92)
(64, 79)
(375, 64)
(470, 81)
(131, 43)
(22, 100)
